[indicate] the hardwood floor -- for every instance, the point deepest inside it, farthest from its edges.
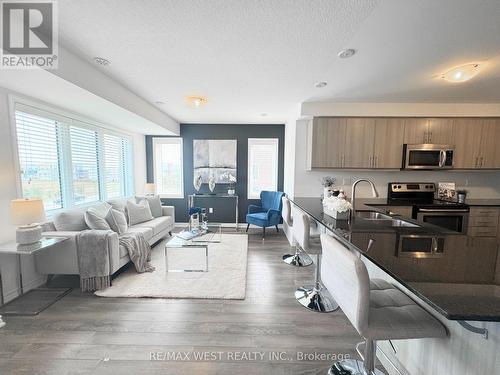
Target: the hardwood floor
(85, 334)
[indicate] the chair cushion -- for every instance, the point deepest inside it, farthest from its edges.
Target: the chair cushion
(259, 218)
(394, 315)
(138, 213)
(154, 204)
(147, 232)
(158, 224)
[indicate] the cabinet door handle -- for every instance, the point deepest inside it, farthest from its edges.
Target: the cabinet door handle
(481, 162)
(430, 137)
(476, 164)
(376, 161)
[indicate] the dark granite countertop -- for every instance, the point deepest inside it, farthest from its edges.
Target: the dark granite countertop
(460, 284)
(483, 202)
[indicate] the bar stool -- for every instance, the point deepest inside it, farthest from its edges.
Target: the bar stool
(314, 297)
(377, 309)
(299, 259)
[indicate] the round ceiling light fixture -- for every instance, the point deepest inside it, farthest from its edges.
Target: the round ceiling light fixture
(159, 102)
(346, 53)
(263, 114)
(196, 101)
(320, 84)
(461, 73)
(101, 61)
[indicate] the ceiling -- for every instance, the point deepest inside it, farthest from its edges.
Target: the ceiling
(250, 57)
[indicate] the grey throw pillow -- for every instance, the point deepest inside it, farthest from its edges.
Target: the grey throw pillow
(117, 221)
(154, 204)
(72, 220)
(138, 212)
(95, 221)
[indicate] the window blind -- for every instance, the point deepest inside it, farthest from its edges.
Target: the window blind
(114, 166)
(38, 145)
(262, 166)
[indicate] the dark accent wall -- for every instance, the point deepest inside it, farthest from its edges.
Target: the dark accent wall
(223, 207)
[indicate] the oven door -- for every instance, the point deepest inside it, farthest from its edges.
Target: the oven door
(455, 220)
(428, 156)
(420, 246)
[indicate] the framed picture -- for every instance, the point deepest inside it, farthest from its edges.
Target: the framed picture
(215, 157)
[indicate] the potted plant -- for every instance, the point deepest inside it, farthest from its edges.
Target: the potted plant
(328, 182)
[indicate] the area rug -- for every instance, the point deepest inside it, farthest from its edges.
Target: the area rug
(225, 279)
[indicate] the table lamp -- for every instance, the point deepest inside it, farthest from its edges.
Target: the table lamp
(150, 189)
(27, 214)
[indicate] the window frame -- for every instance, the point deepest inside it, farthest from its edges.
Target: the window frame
(66, 120)
(267, 141)
(169, 140)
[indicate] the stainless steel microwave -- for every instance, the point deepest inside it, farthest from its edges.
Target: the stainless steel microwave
(427, 156)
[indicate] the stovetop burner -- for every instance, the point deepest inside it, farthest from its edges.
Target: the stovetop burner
(419, 195)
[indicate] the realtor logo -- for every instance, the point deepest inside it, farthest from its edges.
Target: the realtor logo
(29, 34)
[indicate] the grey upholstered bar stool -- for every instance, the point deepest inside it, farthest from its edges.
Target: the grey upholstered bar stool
(299, 259)
(377, 310)
(314, 297)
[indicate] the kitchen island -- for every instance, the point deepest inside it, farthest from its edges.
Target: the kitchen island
(456, 281)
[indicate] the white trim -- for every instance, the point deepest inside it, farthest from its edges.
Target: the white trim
(169, 140)
(265, 141)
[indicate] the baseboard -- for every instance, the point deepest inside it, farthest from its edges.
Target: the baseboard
(13, 294)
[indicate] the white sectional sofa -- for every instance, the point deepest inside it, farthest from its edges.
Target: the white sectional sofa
(61, 259)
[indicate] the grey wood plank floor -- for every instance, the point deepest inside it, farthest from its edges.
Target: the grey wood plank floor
(85, 334)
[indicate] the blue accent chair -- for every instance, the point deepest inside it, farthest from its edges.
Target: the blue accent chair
(268, 213)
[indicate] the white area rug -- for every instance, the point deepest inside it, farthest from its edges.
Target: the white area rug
(225, 279)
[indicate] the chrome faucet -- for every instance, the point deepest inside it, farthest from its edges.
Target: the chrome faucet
(353, 192)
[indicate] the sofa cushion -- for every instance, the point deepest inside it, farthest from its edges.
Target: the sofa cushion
(117, 221)
(71, 220)
(147, 232)
(95, 221)
(158, 224)
(138, 212)
(154, 204)
(100, 209)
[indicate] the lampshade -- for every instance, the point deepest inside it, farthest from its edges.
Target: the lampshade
(149, 188)
(26, 211)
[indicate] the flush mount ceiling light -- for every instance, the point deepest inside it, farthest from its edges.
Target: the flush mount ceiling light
(159, 102)
(461, 73)
(196, 101)
(320, 84)
(101, 61)
(346, 53)
(263, 114)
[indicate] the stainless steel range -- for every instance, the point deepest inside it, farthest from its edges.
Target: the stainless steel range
(420, 195)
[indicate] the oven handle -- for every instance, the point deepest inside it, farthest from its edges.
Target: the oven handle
(441, 210)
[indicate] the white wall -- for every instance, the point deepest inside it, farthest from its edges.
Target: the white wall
(485, 184)
(8, 191)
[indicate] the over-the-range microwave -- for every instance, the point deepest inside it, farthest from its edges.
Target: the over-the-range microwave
(427, 156)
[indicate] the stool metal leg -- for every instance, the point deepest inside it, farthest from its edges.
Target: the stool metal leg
(299, 259)
(354, 367)
(316, 297)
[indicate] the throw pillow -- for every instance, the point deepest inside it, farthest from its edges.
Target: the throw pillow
(72, 220)
(154, 204)
(138, 212)
(94, 221)
(117, 221)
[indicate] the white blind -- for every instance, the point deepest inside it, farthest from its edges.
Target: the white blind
(38, 144)
(114, 166)
(262, 166)
(168, 173)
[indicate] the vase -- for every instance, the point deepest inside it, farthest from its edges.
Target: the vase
(197, 182)
(211, 184)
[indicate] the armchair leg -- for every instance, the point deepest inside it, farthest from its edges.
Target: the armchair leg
(263, 232)
(170, 233)
(248, 226)
(277, 229)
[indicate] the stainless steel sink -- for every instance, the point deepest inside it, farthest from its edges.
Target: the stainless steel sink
(403, 223)
(372, 215)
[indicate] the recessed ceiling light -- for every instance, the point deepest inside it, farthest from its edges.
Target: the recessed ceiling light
(320, 84)
(196, 101)
(101, 61)
(263, 114)
(346, 53)
(461, 73)
(159, 102)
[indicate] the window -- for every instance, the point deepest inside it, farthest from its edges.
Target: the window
(262, 166)
(167, 161)
(67, 162)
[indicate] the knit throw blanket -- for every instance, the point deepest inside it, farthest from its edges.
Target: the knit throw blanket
(138, 250)
(93, 259)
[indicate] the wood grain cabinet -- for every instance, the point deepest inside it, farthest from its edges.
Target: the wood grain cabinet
(388, 145)
(327, 142)
(429, 130)
(359, 142)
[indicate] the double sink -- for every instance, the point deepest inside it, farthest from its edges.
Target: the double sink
(383, 219)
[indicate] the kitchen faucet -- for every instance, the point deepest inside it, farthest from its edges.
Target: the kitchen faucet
(353, 192)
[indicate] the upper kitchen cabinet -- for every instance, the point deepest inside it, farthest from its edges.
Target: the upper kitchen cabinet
(359, 142)
(425, 130)
(327, 137)
(388, 145)
(475, 146)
